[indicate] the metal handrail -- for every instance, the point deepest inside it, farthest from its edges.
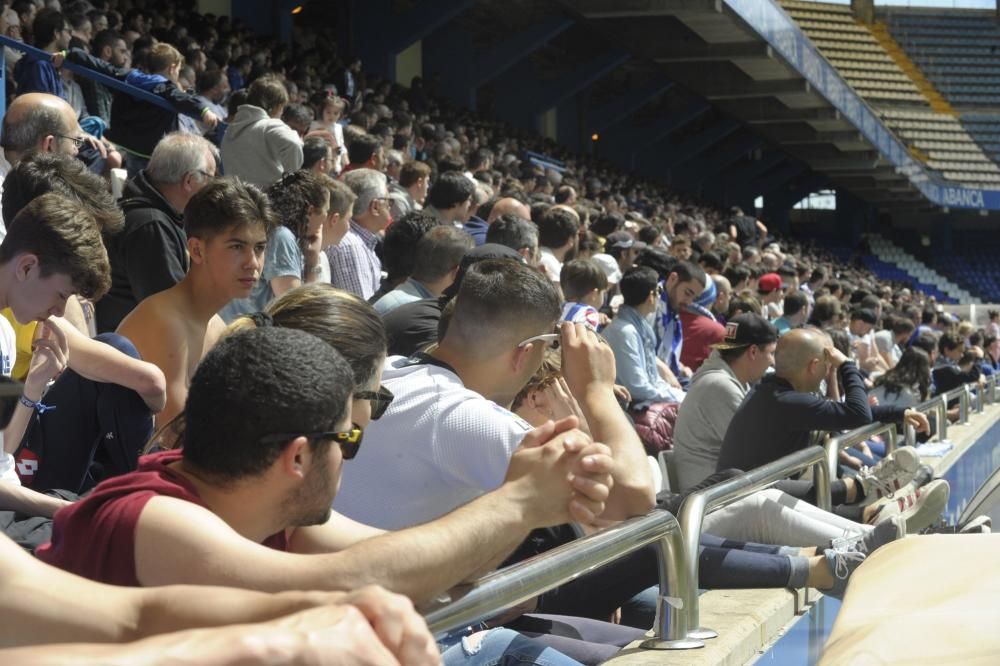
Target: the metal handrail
(836, 443)
(99, 77)
(523, 581)
(698, 504)
(939, 404)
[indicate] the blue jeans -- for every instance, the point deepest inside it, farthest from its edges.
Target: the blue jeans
(501, 646)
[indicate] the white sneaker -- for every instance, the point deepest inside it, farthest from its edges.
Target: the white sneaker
(919, 508)
(893, 473)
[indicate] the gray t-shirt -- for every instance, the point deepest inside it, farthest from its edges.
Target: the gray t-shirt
(283, 258)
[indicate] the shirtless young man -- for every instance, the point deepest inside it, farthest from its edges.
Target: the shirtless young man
(227, 225)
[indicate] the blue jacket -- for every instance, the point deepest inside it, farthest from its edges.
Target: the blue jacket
(633, 341)
(34, 74)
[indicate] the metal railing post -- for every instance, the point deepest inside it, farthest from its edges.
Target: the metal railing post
(964, 396)
(891, 440)
(672, 617)
(523, 581)
(697, 505)
(942, 408)
(909, 435)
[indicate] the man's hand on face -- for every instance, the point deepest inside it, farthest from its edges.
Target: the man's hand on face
(834, 356)
(586, 359)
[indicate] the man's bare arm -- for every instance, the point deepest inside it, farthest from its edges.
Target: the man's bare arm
(589, 368)
(103, 363)
(420, 562)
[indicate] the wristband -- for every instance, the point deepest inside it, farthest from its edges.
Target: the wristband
(37, 406)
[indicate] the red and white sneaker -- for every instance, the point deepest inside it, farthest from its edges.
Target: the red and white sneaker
(919, 507)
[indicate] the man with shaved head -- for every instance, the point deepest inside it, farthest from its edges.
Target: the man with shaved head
(509, 206)
(779, 414)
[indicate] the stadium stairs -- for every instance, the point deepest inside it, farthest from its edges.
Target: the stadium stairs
(957, 51)
(909, 103)
(891, 262)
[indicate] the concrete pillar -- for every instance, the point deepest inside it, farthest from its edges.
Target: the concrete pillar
(863, 10)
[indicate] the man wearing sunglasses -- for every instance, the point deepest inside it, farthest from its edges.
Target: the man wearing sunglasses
(450, 408)
(246, 502)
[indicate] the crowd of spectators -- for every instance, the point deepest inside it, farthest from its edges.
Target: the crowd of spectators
(305, 258)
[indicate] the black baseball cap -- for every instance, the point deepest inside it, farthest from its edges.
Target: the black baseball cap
(747, 329)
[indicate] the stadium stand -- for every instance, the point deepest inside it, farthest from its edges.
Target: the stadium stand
(380, 372)
(904, 100)
(956, 51)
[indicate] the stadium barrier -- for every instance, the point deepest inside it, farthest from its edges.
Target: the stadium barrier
(699, 504)
(836, 443)
(523, 581)
(86, 72)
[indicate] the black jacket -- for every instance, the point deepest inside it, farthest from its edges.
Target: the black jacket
(775, 419)
(147, 256)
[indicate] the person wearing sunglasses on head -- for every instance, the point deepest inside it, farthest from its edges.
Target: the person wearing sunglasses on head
(271, 415)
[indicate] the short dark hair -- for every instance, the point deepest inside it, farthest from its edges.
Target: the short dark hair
(580, 277)
(224, 203)
(710, 260)
(439, 252)
(361, 148)
(256, 383)
(449, 190)
(399, 248)
(62, 233)
(45, 26)
(104, 38)
(314, 149)
(687, 271)
(513, 231)
(208, 79)
(556, 227)
(297, 113)
(499, 300)
(926, 341)
(795, 302)
(637, 284)
(53, 172)
(267, 93)
(948, 341)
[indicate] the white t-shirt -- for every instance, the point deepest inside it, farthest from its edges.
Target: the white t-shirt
(550, 265)
(438, 446)
(8, 353)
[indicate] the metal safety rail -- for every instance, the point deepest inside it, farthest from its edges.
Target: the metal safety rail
(836, 443)
(518, 583)
(85, 72)
(938, 405)
(699, 504)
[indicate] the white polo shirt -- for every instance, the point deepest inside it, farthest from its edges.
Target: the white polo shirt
(438, 446)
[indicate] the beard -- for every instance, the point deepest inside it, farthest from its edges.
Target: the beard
(310, 503)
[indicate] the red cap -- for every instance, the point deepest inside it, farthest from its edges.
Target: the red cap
(768, 282)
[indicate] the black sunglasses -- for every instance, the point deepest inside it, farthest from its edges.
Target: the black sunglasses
(350, 441)
(380, 399)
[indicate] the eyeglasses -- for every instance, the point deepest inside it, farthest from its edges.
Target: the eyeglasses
(548, 338)
(380, 399)
(350, 441)
(75, 139)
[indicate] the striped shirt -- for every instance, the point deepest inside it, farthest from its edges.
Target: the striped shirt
(354, 266)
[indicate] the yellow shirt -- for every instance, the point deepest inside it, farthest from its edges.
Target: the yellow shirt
(24, 335)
